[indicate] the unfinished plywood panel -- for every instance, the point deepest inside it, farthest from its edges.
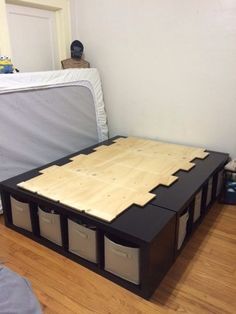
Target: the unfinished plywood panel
(152, 148)
(112, 178)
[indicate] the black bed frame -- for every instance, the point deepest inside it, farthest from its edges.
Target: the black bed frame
(153, 228)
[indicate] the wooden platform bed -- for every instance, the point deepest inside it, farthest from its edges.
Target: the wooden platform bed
(123, 208)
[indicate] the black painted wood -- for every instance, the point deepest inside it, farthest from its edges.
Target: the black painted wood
(178, 195)
(34, 219)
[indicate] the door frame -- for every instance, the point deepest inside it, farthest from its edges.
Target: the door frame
(63, 23)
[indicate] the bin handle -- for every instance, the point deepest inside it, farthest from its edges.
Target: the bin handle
(48, 221)
(120, 253)
(19, 209)
(82, 234)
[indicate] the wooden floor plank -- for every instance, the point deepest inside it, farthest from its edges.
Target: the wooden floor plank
(202, 280)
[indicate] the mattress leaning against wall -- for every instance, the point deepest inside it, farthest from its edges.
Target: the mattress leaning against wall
(47, 115)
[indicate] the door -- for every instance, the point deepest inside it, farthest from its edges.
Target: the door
(33, 38)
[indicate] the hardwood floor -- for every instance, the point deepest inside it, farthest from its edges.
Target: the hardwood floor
(202, 280)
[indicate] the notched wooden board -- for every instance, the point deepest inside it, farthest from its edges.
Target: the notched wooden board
(113, 178)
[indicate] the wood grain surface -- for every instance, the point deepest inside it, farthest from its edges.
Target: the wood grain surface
(202, 280)
(113, 178)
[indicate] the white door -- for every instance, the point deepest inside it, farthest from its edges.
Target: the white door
(33, 38)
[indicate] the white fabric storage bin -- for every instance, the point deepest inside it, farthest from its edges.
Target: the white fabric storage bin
(82, 241)
(1, 211)
(209, 191)
(50, 227)
(21, 214)
(220, 181)
(183, 220)
(197, 206)
(122, 261)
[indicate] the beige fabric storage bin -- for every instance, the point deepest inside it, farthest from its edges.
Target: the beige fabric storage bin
(183, 220)
(197, 206)
(82, 241)
(21, 214)
(220, 181)
(209, 191)
(122, 261)
(50, 227)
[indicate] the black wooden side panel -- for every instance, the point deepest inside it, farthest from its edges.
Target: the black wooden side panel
(160, 257)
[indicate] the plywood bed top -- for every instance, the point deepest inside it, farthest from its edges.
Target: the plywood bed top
(112, 178)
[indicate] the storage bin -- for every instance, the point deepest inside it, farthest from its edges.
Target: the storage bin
(197, 206)
(220, 181)
(209, 191)
(50, 226)
(183, 220)
(82, 241)
(21, 214)
(122, 260)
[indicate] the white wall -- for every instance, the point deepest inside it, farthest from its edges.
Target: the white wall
(168, 67)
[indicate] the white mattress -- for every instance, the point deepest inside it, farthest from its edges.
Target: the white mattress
(47, 115)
